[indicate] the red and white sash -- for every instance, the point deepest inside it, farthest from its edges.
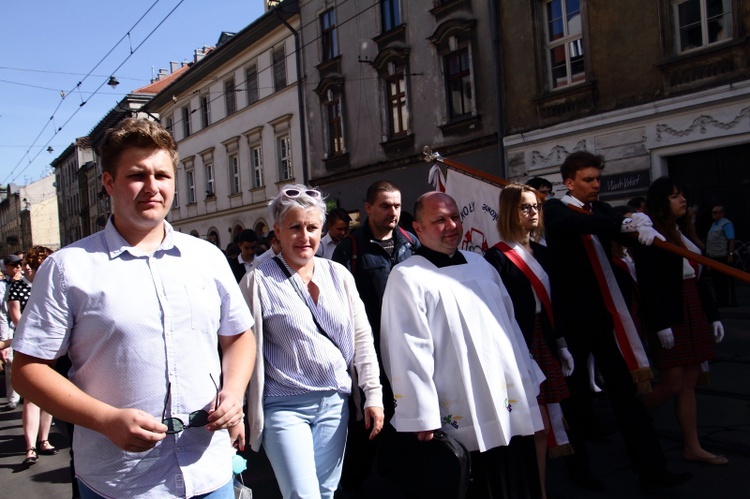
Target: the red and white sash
(534, 272)
(558, 443)
(625, 332)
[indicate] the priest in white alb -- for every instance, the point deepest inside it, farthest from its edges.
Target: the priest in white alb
(456, 357)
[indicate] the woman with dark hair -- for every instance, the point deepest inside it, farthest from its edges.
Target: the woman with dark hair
(678, 313)
(314, 347)
(520, 261)
(36, 422)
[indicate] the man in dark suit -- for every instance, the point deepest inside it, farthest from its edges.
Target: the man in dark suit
(585, 319)
(247, 241)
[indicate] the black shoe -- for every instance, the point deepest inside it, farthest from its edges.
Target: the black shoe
(587, 480)
(664, 478)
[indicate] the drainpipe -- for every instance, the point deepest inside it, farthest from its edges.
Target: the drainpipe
(499, 94)
(300, 89)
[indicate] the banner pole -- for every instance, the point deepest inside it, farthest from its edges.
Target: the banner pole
(431, 156)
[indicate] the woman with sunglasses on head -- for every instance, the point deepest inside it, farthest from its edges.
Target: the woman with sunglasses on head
(36, 422)
(314, 343)
(519, 260)
(678, 313)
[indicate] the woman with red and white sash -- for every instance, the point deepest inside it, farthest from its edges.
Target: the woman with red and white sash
(678, 314)
(519, 260)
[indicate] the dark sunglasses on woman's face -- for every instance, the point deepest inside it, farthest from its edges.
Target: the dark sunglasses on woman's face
(195, 419)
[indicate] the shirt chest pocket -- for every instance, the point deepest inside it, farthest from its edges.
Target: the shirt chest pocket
(198, 307)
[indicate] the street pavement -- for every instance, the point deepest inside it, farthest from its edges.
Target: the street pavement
(723, 425)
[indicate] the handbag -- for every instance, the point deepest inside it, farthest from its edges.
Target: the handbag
(437, 469)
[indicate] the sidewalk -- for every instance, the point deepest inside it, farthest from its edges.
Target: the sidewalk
(49, 477)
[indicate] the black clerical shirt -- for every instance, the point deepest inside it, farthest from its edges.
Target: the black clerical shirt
(441, 260)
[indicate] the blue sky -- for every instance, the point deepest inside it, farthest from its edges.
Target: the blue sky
(51, 45)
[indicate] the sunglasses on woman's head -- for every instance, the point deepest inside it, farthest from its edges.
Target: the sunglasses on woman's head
(295, 193)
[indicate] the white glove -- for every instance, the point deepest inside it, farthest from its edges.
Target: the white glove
(718, 330)
(666, 338)
(566, 361)
(635, 221)
(646, 235)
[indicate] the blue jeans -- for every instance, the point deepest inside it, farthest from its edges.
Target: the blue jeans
(225, 492)
(304, 437)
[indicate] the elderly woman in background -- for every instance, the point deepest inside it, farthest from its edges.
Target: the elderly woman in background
(314, 343)
(36, 422)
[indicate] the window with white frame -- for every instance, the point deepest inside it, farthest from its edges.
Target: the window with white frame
(230, 96)
(256, 157)
(390, 14)
(234, 174)
(279, 68)
(699, 23)
(398, 111)
(458, 82)
(205, 110)
(564, 43)
(328, 35)
(186, 128)
(170, 126)
(335, 128)
(209, 169)
(251, 80)
(285, 158)
(190, 178)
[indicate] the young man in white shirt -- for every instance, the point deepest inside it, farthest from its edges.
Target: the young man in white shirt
(141, 309)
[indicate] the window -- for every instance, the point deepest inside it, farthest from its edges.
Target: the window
(186, 129)
(701, 22)
(251, 79)
(190, 176)
(279, 69)
(458, 83)
(564, 43)
(210, 192)
(205, 110)
(285, 158)
(234, 174)
(389, 13)
(328, 35)
(170, 126)
(335, 128)
(398, 113)
(256, 155)
(230, 96)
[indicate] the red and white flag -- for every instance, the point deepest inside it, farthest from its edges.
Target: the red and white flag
(478, 203)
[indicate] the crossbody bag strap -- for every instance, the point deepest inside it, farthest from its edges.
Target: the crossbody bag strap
(301, 295)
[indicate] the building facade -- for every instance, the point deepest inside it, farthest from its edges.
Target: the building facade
(385, 79)
(235, 117)
(66, 167)
(656, 87)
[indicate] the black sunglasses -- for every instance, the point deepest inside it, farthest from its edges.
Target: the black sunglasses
(195, 419)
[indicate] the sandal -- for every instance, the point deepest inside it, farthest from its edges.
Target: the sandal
(30, 459)
(46, 449)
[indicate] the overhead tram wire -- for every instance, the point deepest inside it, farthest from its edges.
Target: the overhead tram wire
(132, 51)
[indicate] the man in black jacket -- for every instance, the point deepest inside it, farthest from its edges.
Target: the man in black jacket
(370, 252)
(247, 241)
(584, 317)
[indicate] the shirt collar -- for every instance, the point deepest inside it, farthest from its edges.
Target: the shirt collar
(441, 260)
(568, 199)
(117, 245)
